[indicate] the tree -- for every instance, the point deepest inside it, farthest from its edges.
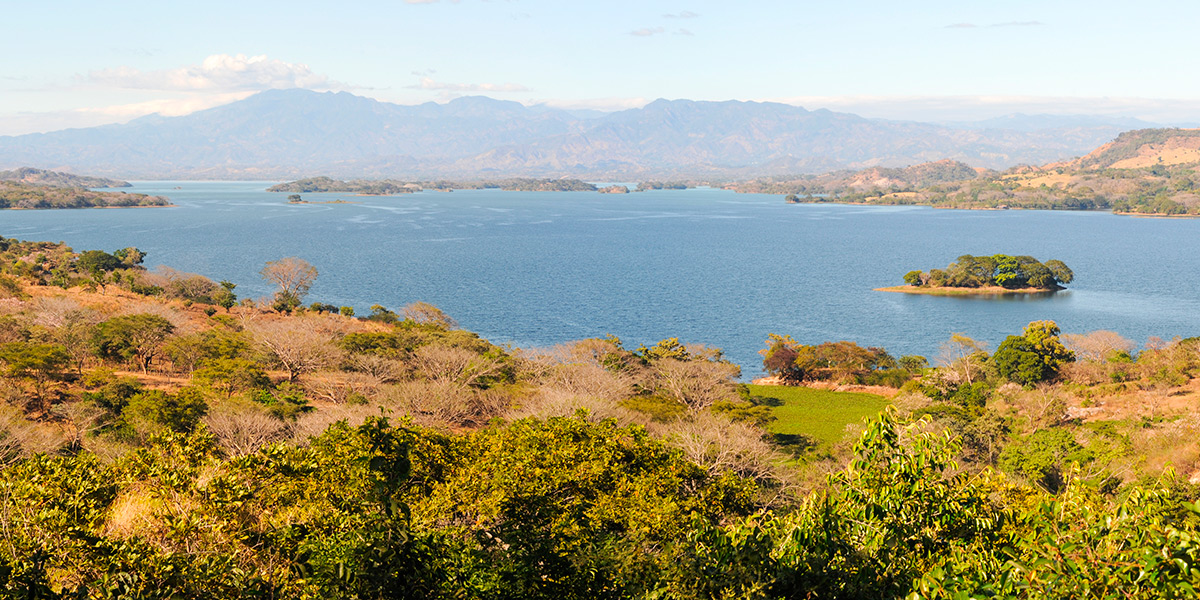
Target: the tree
(1034, 356)
(93, 262)
(130, 256)
(224, 297)
(963, 356)
(913, 277)
(1060, 271)
(137, 338)
(293, 275)
(298, 345)
(428, 314)
(36, 363)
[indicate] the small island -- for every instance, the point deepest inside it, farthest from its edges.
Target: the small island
(988, 275)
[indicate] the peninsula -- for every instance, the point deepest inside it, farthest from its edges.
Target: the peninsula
(28, 188)
(1146, 172)
(998, 274)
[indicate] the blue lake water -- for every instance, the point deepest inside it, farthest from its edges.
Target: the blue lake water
(704, 265)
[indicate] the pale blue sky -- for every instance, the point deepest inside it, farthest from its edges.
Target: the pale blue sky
(85, 63)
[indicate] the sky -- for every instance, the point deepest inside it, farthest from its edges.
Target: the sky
(78, 64)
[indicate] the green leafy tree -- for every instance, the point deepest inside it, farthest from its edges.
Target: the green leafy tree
(1033, 357)
(179, 412)
(137, 338)
(35, 363)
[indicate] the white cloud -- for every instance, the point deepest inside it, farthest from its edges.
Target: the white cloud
(647, 31)
(428, 83)
(218, 73)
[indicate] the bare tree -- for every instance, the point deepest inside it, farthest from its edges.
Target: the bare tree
(698, 384)
(298, 345)
(243, 430)
(962, 356)
(1097, 345)
(83, 418)
(721, 445)
(293, 275)
(456, 365)
(425, 313)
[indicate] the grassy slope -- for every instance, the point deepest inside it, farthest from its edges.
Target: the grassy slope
(821, 414)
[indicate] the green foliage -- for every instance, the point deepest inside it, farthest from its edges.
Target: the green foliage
(137, 338)
(844, 361)
(97, 261)
(179, 412)
(1034, 356)
(1012, 272)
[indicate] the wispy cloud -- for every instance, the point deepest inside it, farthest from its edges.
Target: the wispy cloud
(35, 122)
(969, 108)
(218, 73)
(647, 31)
(687, 14)
(682, 31)
(1005, 24)
(428, 83)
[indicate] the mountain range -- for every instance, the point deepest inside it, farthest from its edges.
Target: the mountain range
(279, 134)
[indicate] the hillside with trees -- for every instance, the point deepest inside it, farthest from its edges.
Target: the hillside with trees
(1143, 172)
(18, 195)
(161, 437)
(34, 176)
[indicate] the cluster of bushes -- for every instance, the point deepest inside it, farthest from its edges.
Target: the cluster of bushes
(568, 507)
(840, 362)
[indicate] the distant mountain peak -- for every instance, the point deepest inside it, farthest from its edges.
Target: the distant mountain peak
(291, 133)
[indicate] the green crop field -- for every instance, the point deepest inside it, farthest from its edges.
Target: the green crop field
(818, 414)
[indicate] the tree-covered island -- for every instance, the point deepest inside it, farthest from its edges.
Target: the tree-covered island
(996, 274)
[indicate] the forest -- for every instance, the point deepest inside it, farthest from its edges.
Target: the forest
(161, 437)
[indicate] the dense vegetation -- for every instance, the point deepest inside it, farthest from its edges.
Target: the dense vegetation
(160, 438)
(389, 187)
(999, 270)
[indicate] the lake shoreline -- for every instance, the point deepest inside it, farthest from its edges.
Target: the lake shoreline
(963, 291)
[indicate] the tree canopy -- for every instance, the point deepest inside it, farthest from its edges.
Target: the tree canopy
(1012, 272)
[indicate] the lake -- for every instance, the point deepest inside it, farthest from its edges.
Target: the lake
(704, 265)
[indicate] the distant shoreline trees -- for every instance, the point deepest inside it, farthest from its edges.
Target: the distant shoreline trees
(998, 270)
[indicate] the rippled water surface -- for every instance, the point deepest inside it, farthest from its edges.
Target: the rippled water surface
(704, 265)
